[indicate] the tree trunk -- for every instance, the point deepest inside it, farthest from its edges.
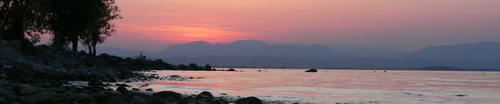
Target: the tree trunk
(17, 28)
(89, 49)
(59, 41)
(75, 45)
(94, 49)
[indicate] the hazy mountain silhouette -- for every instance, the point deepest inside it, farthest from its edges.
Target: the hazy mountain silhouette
(371, 52)
(252, 53)
(250, 48)
(124, 52)
(472, 52)
(287, 62)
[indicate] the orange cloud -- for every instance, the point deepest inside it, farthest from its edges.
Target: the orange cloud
(189, 33)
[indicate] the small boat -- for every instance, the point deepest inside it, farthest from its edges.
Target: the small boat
(312, 70)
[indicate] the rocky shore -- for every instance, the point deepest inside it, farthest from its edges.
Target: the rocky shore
(52, 93)
(43, 76)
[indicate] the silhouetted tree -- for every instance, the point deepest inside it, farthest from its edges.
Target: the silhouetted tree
(163, 65)
(69, 20)
(183, 67)
(100, 26)
(208, 67)
(23, 20)
(82, 20)
(193, 66)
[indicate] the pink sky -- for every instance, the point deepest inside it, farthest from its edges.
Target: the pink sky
(152, 25)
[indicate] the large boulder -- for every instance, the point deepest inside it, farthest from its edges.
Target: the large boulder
(249, 100)
(7, 94)
(27, 89)
(95, 83)
(122, 88)
(38, 98)
(219, 101)
(11, 49)
(170, 95)
(138, 100)
(205, 97)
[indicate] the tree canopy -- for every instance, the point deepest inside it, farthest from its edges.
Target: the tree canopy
(68, 21)
(23, 20)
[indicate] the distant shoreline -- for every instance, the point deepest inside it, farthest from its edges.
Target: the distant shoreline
(399, 69)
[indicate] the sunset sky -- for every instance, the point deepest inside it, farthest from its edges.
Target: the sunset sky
(152, 25)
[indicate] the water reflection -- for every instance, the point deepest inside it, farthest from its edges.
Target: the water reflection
(397, 87)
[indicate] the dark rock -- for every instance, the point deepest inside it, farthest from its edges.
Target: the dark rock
(36, 98)
(159, 100)
(145, 85)
(170, 95)
(7, 94)
(190, 99)
(27, 90)
(95, 83)
(122, 88)
(86, 98)
(136, 89)
(312, 70)
(231, 69)
(138, 100)
(205, 97)
(149, 89)
(219, 101)
(175, 76)
(15, 43)
(461, 95)
(249, 100)
(3, 100)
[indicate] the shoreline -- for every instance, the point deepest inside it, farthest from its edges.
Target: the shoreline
(368, 69)
(48, 92)
(143, 87)
(42, 78)
(241, 84)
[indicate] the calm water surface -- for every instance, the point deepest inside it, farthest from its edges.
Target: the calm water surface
(355, 86)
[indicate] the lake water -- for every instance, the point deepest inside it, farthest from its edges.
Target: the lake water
(350, 86)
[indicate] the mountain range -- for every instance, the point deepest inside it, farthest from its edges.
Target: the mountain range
(473, 52)
(254, 53)
(250, 48)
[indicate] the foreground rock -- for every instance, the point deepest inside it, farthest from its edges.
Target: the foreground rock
(231, 69)
(205, 97)
(43, 77)
(53, 93)
(249, 100)
(170, 96)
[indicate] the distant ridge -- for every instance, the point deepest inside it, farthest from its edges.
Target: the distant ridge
(249, 48)
(475, 51)
(253, 53)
